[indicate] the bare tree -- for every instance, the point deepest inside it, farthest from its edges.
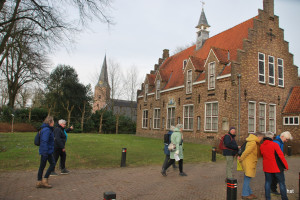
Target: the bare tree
(24, 96)
(115, 77)
(131, 83)
(49, 18)
(183, 47)
(22, 63)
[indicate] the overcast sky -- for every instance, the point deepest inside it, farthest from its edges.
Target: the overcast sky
(143, 28)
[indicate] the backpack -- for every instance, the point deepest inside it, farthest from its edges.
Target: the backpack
(221, 144)
(37, 138)
(242, 149)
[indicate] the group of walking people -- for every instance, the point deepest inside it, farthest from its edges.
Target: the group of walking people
(264, 145)
(52, 146)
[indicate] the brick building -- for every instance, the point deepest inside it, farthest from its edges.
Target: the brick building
(243, 77)
(102, 97)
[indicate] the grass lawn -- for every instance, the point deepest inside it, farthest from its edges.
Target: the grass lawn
(18, 152)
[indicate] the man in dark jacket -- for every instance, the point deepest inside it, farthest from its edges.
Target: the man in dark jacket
(60, 135)
(166, 150)
(231, 149)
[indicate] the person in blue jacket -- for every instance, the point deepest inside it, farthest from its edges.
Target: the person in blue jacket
(280, 140)
(166, 150)
(46, 151)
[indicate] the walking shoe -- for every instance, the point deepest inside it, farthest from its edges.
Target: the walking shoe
(253, 196)
(46, 183)
(53, 174)
(163, 172)
(182, 174)
(275, 192)
(248, 197)
(64, 171)
(39, 184)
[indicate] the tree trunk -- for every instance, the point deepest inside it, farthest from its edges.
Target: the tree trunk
(117, 123)
(29, 117)
(100, 125)
(82, 116)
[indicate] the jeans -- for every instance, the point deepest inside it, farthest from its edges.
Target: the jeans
(166, 162)
(43, 163)
(281, 180)
(229, 166)
(274, 183)
(246, 187)
(58, 152)
(172, 161)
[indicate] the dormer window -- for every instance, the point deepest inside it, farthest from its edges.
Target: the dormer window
(157, 89)
(189, 84)
(211, 75)
(146, 92)
(184, 64)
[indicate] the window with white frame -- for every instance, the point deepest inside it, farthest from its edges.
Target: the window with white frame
(171, 117)
(272, 118)
(157, 89)
(292, 120)
(156, 118)
(178, 120)
(189, 83)
(211, 116)
(145, 119)
(188, 117)
(262, 117)
(198, 123)
(261, 68)
(211, 75)
(251, 116)
(280, 72)
(271, 71)
(146, 92)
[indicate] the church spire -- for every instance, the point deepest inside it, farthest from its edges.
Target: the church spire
(203, 33)
(103, 78)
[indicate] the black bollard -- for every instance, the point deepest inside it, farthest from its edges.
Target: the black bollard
(213, 154)
(123, 159)
(289, 150)
(109, 196)
(231, 189)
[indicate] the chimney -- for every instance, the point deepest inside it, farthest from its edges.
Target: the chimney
(156, 67)
(269, 7)
(165, 54)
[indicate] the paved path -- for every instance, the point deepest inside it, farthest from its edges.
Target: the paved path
(205, 181)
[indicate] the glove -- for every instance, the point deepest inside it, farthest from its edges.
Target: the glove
(177, 152)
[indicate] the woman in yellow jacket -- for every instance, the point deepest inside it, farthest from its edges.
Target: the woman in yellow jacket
(249, 160)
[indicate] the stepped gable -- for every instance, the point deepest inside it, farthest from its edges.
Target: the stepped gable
(230, 40)
(293, 103)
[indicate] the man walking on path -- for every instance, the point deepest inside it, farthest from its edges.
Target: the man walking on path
(231, 149)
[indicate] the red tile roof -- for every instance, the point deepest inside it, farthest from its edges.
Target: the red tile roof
(230, 40)
(293, 102)
(198, 63)
(151, 78)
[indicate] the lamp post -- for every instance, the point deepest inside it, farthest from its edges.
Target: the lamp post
(12, 122)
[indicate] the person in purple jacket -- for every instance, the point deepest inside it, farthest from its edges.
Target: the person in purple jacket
(280, 140)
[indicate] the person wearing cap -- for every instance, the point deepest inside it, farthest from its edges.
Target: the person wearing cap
(274, 165)
(176, 139)
(280, 140)
(230, 151)
(249, 160)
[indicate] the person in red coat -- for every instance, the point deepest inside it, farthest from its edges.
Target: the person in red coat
(274, 164)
